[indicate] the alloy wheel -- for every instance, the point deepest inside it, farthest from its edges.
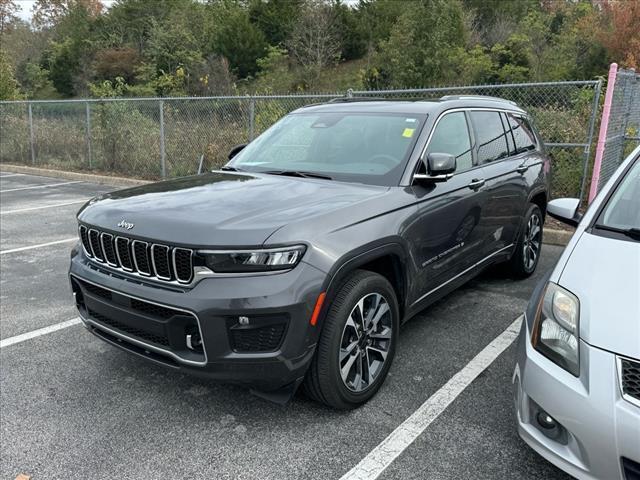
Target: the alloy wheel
(365, 343)
(532, 241)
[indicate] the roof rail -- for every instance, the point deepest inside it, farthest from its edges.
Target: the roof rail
(476, 97)
(357, 99)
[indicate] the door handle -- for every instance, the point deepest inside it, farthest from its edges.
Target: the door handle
(476, 183)
(522, 168)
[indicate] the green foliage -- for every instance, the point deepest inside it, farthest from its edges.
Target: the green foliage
(198, 47)
(417, 52)
(36, 82)
(8, 84)
(241, 42)
(275, 74)
(274, 18)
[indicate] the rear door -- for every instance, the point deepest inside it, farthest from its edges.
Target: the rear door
(445, 238)
(504, 167)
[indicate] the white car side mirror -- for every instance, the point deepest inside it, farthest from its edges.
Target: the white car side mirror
(565, 210)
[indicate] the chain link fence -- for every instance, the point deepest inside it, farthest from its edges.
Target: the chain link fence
(157, 138)
(623, 131)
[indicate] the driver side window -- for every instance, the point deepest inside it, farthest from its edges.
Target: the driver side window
(452, 136)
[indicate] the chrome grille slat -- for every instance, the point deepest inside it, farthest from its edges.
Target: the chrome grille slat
(161, 261)
(84, 238)
(138, 257)
(141, 261)
(123, 252)
(183, 264)
(106, 239)
(96, 245)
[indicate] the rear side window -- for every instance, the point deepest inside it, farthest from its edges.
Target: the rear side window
(491, 139)
(452, 136)
(522, 132)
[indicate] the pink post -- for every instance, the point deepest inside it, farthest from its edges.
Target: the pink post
(602, 136)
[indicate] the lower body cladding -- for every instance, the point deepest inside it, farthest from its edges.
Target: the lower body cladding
(254, 330)
(582, 425)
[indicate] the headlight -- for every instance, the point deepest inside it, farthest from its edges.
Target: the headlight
(258, 260)
(555, 328)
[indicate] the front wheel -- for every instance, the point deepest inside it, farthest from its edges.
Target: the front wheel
(357, 343)
(528, 248)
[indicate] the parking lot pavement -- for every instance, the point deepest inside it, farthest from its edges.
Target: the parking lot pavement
(74, 407)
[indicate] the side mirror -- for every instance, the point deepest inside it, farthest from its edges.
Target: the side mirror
(236, 150)
(439, 166)
(565, 210)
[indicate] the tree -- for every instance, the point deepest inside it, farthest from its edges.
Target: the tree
(69, 55)
(239, 41)
(418, 52)
(275, 18)
(8, 10)
(314, 41)
(8, 84)
(35, 82)
(111, 63)
(622, 36)
(47, 13)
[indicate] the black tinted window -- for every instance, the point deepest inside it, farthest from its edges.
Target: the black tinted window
(522, 132)
(505, 124)
(491, 139)
(452, 136)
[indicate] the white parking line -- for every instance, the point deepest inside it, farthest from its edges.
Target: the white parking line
(40, 186)
(31, 247)
(391, 447)
(38, 333)
(11, 175)
(20, 210)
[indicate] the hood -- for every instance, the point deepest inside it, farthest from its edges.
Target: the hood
(604, 274)
(220, 209)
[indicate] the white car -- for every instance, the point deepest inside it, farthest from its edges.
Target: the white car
(577, 377)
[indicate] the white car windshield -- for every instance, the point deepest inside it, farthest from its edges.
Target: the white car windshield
(623, 209)
(370, 148)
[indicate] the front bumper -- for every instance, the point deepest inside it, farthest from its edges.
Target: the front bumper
(599, 427)
(254, 330)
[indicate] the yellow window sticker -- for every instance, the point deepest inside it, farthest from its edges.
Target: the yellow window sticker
(408, 132)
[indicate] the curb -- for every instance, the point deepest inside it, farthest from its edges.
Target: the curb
(551, 236)
(556, 237)
(85, 177)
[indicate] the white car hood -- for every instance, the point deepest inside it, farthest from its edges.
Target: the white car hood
(604, 274)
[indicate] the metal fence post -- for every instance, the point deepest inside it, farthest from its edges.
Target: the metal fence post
(587, 148)
(163, 159)
(31, 136)
(252, 117)
(88, 133)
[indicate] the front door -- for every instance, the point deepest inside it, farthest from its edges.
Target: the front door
(446, 239)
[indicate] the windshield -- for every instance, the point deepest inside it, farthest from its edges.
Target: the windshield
(351, 147)
(622, 211)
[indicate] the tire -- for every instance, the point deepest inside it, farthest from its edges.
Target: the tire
(525, 259)
(340, 335)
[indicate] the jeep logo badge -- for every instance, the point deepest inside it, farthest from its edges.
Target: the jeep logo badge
(125, 224)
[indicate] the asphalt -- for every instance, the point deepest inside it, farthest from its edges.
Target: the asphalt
(74, 407)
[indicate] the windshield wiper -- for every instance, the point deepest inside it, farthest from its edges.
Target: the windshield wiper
(298, 173)
(228, 168)
(629, 232)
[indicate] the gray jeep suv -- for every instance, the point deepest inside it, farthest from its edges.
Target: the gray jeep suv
(297, 261)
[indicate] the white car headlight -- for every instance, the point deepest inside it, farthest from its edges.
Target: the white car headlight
(556, 327)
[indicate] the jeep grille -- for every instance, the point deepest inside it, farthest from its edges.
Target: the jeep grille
(162, 262)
